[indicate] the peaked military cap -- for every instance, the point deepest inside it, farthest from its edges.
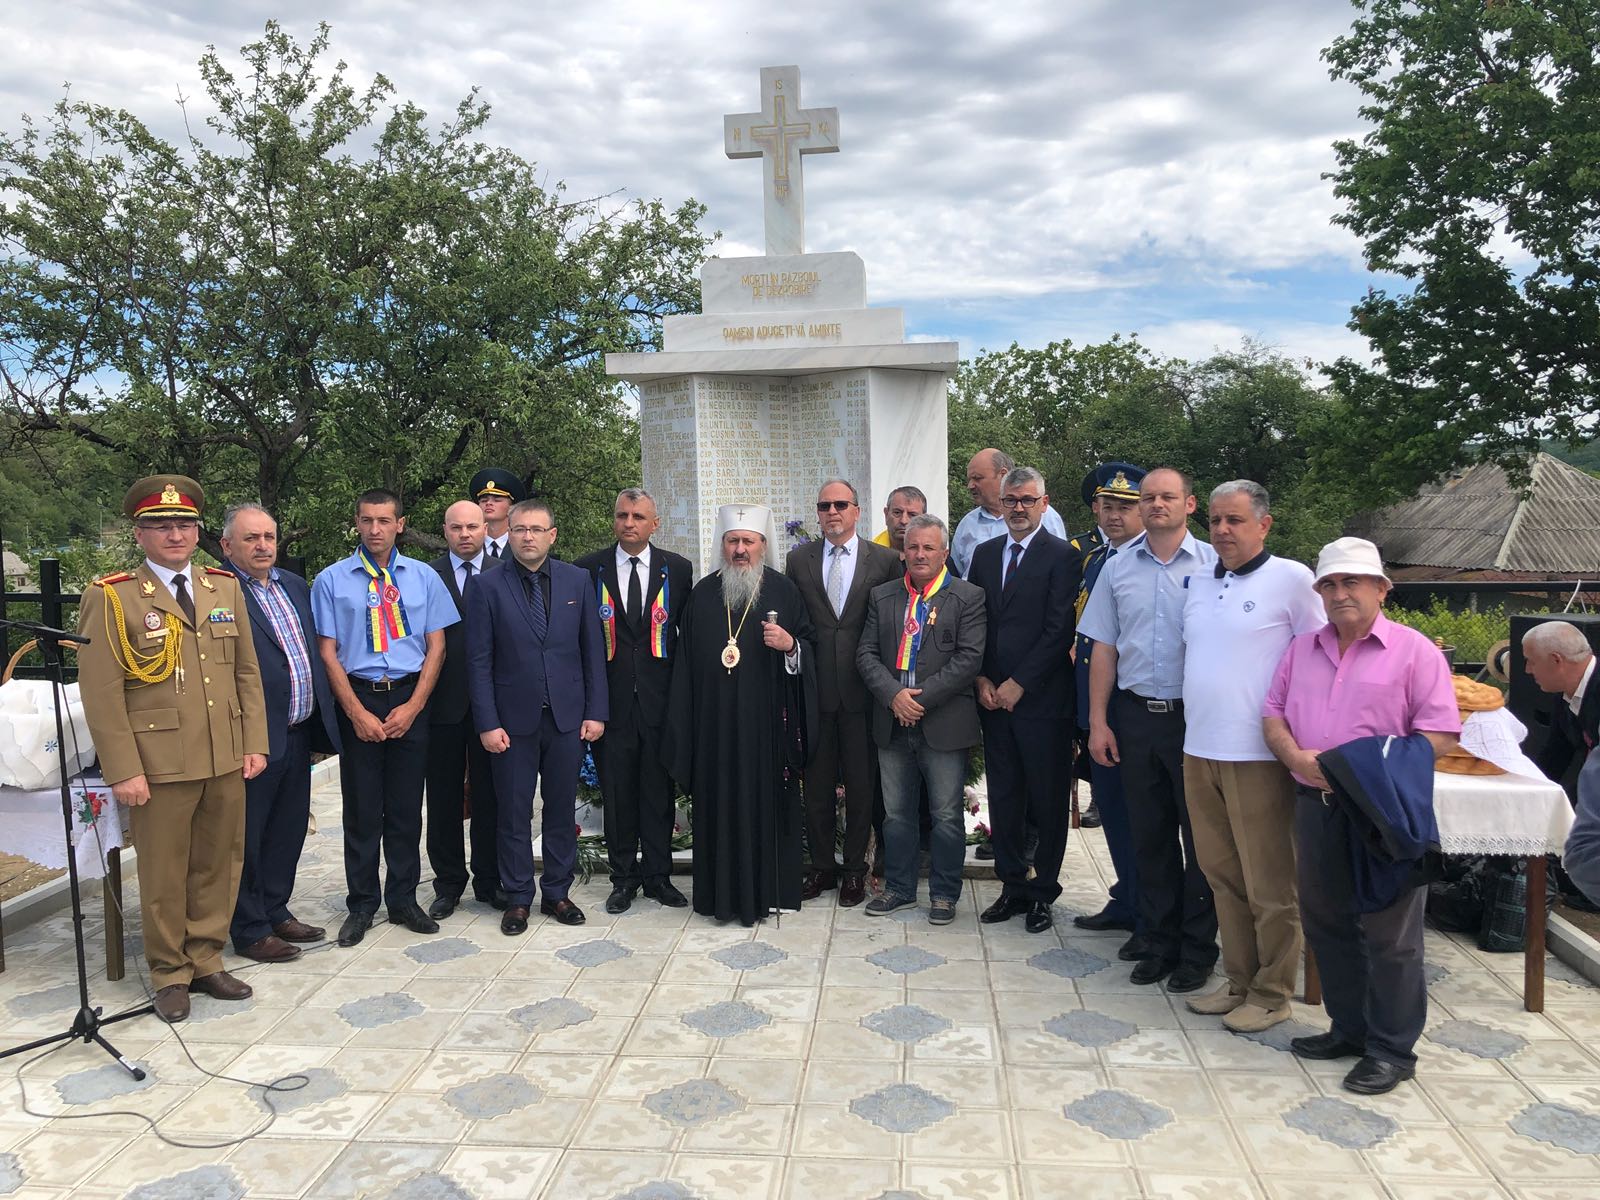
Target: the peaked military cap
(164, 496)
(497, 481)
(1112, 479)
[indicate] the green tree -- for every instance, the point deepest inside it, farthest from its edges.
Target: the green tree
(1479, 184)
(302, 301)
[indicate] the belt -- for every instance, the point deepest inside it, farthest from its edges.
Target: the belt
(1155, 706)
(383, 685)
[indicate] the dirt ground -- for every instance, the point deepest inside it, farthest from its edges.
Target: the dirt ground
(18, 875)
(1587, 921)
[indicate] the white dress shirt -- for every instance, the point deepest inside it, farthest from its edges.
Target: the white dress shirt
(1575, 701)
(167, 575)
(458, 565)
(847, 565)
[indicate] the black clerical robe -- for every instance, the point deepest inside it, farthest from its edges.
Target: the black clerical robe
(736, 743)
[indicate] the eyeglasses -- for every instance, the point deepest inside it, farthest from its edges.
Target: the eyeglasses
(525, 530)
(1020, 501)
(836, 505)
(175, 526)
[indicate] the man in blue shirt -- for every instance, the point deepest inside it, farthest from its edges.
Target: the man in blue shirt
(986, 476)
(1135, 619)
(1582, 856)
(380, 630)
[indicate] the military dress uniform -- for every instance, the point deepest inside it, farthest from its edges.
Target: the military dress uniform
(178, 700)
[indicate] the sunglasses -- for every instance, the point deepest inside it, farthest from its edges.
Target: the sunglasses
(836, 505)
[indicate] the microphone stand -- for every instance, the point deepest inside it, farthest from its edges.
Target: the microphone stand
(86, 1025)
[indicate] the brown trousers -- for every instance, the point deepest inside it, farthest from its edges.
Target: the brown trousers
(1243, 819)
(190, 842)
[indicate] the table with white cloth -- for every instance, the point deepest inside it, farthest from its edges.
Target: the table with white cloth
(31, 826)
(1512, 815)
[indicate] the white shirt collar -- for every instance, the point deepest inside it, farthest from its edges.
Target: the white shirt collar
(1575, 701)
(167, 576)
(476, 560)
(623, 566)
(1027, 541)
(851, 546)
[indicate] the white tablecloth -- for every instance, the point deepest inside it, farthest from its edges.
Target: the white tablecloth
(1500, 814)
(30, 825)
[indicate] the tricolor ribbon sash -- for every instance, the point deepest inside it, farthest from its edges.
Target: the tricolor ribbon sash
(386, 615)
(608, 620)
(905, 658)
(658, 622)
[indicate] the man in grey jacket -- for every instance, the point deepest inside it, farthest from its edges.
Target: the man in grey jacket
(920, 652)
(1582, 857)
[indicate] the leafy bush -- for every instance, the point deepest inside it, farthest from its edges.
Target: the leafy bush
(1471, 633)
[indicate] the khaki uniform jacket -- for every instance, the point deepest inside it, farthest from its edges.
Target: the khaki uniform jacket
(165, 731)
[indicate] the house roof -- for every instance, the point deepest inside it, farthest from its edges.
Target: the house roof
(14, 566)
(1478, 521)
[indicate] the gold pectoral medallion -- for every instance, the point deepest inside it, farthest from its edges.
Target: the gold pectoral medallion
(730, 655)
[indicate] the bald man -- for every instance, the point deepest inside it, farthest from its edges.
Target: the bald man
(454, 752)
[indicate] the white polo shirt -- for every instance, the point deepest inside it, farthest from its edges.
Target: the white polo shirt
(1236, 626)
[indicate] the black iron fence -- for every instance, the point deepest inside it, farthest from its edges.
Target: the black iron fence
(48, 606)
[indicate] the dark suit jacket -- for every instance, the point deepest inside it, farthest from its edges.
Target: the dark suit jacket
(948, 661)
(839, 685)
(274, 661)
(1570, 738)
(633, 671)
(508, 667)
(450, 704)
(1031, 621)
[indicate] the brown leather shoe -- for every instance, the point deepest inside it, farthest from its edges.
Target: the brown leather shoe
(219, 985)
(514, 920)
(298, 931)
(813, 883)
(271, 948)
(852, 891)
(172, 1003)
(562, 910)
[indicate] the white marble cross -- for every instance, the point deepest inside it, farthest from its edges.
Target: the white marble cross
(779, 134)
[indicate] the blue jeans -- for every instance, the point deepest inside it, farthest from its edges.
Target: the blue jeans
(907, 762)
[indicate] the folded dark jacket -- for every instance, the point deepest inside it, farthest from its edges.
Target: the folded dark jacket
(1384, 788)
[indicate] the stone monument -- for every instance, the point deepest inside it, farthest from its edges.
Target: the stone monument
(786, 378)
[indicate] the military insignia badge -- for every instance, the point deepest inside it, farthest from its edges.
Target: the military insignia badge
(153, 621)
(1119, 482)
(148, 588)
(169, 495)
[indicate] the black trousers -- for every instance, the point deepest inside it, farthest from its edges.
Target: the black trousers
(1028, 760)
(277, 803)
(382, 787)
(1373, 985)
(842, 747)
(455, 754)
(1178, 914)
(638, 802)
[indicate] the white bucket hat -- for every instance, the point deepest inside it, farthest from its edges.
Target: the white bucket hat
(1350, 556)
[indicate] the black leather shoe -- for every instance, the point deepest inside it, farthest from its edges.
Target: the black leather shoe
(1323, 1046)
(413, 918)
(1040, 917)
(443, 906)
(1372, 1076)
(1135, 949)
(1187, 977)
(1003, 909)
(1152, 970)
(1104, 919)
(620, 900)
(354, 928)
(1090, 818)
(564, 911)
(514, 920)
(984, 851)
(814, 883)
(665, 894)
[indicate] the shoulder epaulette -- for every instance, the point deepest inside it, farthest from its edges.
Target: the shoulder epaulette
(218, 571)
(114, 577)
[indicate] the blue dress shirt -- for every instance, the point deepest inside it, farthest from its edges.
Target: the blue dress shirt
(339, 606)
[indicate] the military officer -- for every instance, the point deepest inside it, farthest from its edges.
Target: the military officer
(496, 490)
(172, 693)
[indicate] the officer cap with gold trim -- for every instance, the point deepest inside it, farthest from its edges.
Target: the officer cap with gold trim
(497, 481)
(1112, 479)
(164, 496)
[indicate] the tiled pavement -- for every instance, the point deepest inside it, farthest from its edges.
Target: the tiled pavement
(658, 1056)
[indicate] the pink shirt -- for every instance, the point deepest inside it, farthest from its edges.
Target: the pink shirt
(1393, 681)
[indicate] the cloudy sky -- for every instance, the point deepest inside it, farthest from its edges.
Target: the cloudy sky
(1021, 170)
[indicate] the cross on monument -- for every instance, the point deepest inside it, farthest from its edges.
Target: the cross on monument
(779, 135)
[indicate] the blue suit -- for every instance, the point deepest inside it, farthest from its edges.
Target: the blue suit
(539, 690)
(278, 801)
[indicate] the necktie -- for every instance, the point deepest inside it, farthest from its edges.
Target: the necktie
(180, 588)
(1011, 564)
(635, 594)
(494, 549)
(836, 579)
(467, 567)
(541, 619)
